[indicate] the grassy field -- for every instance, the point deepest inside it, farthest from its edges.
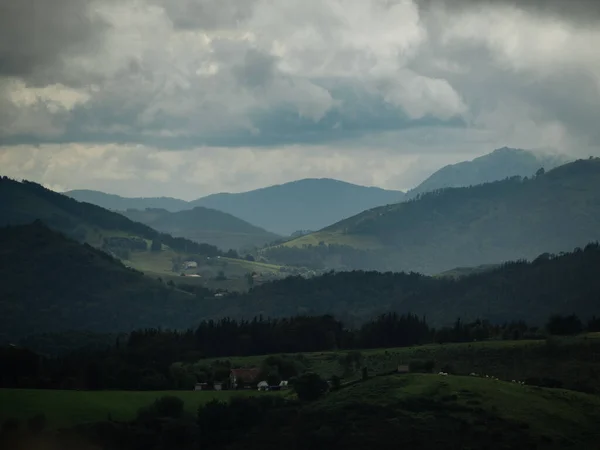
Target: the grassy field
(159, 265)
(362, 243)
(64, 408)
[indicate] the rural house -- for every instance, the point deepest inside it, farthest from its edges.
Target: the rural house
(243, 377)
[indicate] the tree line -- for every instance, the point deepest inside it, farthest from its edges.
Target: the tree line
(151, 358)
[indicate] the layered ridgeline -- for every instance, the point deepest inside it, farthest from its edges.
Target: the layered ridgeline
(500, 164)
(49, 283)
(308, 204)
(461, 227)
(204, 225)
(24, 202)
(118, 203)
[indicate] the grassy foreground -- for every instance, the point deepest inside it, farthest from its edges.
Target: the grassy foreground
(66, 408)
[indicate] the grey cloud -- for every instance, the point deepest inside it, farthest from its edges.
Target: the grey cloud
(207, 14)
(257, 69)
(36, 34)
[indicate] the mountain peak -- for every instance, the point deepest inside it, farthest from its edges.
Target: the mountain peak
(497, 165)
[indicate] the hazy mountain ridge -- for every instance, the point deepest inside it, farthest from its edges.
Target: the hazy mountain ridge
(117, 203)
(308, 204)
(485, 224)
(204, 225)
(497, 165)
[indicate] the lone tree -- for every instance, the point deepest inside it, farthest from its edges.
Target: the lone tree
(310, 386)
(564, 325)
(156, 245)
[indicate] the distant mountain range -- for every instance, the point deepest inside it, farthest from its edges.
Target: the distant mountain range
(500, 164)
(204, 225)
(461, 227)
(308, 204)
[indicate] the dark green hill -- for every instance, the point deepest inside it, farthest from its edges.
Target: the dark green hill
(308, 204)
(500, 164)
(24, 202)
(529, 291)
(461, 227)
(51, 283)
(204, 225)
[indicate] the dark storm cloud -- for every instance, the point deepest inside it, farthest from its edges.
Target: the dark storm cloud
(584, 11)
(36, 34)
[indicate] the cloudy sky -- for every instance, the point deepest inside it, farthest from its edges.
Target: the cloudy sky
(188, 97)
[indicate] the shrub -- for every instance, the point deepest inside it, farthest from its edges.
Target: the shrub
(310, 386)
(421, 365)
(336, 382)
(564, 325)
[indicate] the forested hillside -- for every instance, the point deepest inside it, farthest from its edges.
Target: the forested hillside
(24, 202)
(50, 283)
(530, 291)
(460, 227)
(204, 225)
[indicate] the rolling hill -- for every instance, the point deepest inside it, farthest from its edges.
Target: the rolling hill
(49, 283)
(463, 227)
(500, 164)
(204, 225)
